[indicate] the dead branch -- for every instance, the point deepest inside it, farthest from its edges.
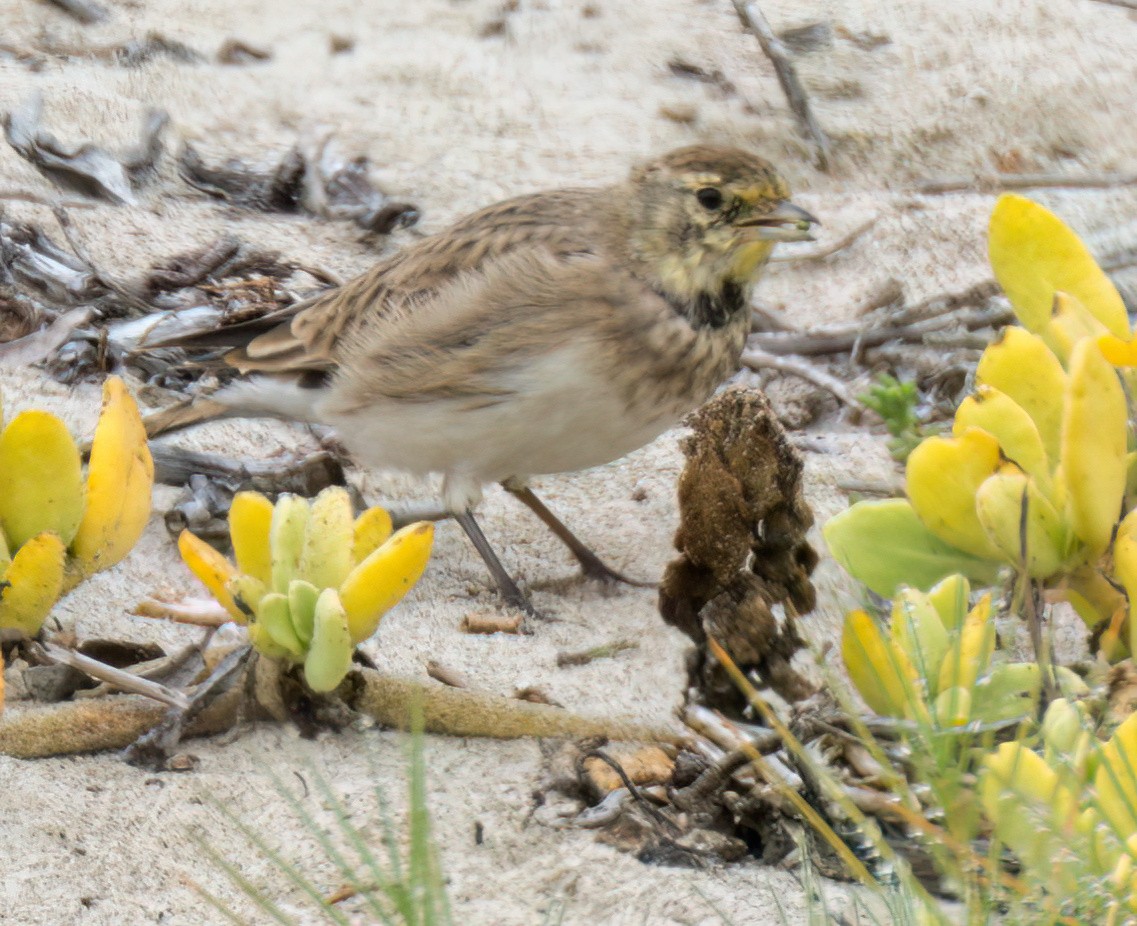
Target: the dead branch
(828, 250)
(759, 360)
(306, 476)
(774, 49)
(116, 678)
(468, 712)
(198, 612)
(992, 182)
(836, 340)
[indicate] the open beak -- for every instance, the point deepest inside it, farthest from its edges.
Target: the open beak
(786, 222)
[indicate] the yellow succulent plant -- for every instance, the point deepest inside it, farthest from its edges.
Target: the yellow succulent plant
(935, 666)
(57, 528)
(1069, 812)
(309, 581)
(1035, 474)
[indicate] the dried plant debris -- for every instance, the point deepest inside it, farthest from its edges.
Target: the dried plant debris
(19, 315)
(142, 51)
(85, 11)
(742, 546)
(236, 51)
(31, 261)
(317, 181)
(86, 168)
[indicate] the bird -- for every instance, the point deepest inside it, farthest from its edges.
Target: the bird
(547, 333)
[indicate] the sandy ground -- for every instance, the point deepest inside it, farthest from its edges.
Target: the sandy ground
(455, 111)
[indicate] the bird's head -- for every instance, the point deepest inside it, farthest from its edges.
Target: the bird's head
(707, 217)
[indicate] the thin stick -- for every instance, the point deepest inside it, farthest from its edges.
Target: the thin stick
(752, 19)
(116, 678)
(839, 340)
(986, 182)
(828, 250)
(761, 360)
(40, 199)
(1124, 4)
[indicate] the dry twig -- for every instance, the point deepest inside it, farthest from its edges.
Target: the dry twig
(759, 360)
(774, 49)
(117, 678)
(991, 182)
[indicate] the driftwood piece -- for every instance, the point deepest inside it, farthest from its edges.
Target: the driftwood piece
(115, 722)
(779, 55)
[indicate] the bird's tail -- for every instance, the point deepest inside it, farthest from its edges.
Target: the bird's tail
(260, 397)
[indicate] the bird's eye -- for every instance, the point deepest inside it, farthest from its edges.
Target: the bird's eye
(709, 197)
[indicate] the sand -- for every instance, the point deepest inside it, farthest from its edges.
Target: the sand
(457, 104)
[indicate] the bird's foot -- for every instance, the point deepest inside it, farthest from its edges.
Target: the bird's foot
(593, 567)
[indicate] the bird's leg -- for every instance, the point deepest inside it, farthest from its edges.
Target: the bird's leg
(591, 564)
(508, 588)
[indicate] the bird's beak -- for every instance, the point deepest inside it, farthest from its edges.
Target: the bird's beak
(786, 222)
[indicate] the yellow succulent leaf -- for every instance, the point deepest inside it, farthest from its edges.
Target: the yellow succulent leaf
(1121, 353)
(286, 539)
(378, 583)
(942, 476)
(971, 651)
(41, 478)
(372, 530)
(1125, 569)
(1093, 455)
(247, 592)
(325, 558)
(950, 598)
(329, 654)
(1091, 594)
(264, 644)
(953, 707)
(999, 502)
(5, 555)
(273, 616)
(879, 669)
(918, 630)
(1070, 322)
(302, 598)
(32, 583)
(120, 477)
(1, 662)
(1035, 254)
(1020, 365)
(1116, 780)
(1027, 802)
(213, 569)
(1008, 422)
(250, 517)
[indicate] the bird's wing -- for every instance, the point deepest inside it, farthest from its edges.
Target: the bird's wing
(483, 338)
(308, 336)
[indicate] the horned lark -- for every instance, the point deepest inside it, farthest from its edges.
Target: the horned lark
(547, 333)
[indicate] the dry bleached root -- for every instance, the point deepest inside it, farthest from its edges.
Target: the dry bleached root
(115, 722)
